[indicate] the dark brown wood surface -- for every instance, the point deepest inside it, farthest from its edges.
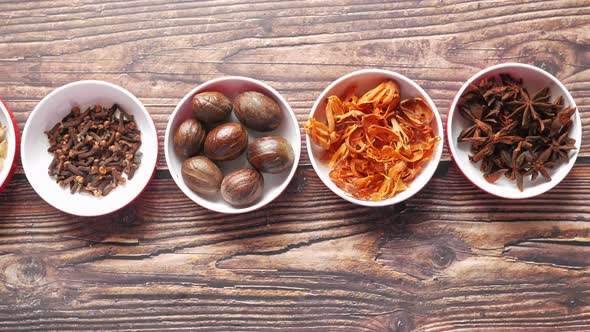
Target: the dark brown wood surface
(452, 258)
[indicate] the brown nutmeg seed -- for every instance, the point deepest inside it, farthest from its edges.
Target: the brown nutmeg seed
(189, 138)
(270, 154)
(211, 107)
(242, 187)
(257, 111)
(201, 175)
(226, 142)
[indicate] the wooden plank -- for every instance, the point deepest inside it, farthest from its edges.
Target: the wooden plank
(450, 258)
(160, 50)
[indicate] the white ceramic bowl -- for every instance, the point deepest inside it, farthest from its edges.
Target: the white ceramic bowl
(13, 137)
(360, 82)
(52, 109)
(231, 86)
(534, 79)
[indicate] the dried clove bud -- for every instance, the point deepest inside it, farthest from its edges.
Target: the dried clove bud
(94, 150)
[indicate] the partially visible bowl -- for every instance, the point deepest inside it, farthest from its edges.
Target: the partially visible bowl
(13, 140)
(52, 109)
(231, 86)
(534, 79)
(359, 82)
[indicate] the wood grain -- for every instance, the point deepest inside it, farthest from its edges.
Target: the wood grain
(160, 50)
(451, 258)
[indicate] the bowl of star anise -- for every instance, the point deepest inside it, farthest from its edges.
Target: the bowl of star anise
(514, 130)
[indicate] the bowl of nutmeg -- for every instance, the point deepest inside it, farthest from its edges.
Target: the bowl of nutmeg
(232, 144)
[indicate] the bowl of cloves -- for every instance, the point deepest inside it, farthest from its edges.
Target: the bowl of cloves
(89, 148)
(514, 130)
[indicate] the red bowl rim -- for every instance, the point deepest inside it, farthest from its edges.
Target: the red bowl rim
(16, 147)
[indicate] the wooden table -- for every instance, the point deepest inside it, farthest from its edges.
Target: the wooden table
(450, 258)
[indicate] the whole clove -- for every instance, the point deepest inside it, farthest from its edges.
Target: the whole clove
(94, 151)
(515, 133)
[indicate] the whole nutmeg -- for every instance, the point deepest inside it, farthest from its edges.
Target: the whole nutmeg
(257, 111)
(242, 187)
(270, 154)
(226, 142)
(201, 175)
(211, 107)
(189, 138)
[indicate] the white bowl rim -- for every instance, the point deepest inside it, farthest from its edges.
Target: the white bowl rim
(453, 152)
(195, 197)
(11, 156)
(435, 159)
(152, 127)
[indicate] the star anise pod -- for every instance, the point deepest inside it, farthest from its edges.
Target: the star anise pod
(536, 128)
(476, 114)
(477, 91)
(551, 111)
(494, 98)
(492, 177)
(515, 162)
(487, 166)
(563, 119)
(561, 146)
(498, 94)
(504, 136)
(539, 164)
(513, 87)
(528, 107)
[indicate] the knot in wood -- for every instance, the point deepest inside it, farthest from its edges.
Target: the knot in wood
(442, 256)
(575, 300)
(572, 302)
(25, 272)
(128, 216)
(548, 65)
(300, 181)
(389, 212)
(550, 56)
(400, 321)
